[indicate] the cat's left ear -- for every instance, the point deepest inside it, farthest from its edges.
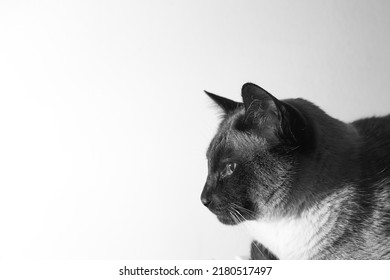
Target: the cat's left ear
(227, 105)
(265, 112)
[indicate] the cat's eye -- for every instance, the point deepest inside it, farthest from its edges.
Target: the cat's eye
(229, 169)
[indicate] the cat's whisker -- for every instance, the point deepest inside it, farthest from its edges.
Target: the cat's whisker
(239, 208)
(234, 213)
(243, 208)
(240, 217)
(243, 218)
(234, 217)
(237, 220)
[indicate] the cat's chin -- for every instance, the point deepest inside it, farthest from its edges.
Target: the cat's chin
(226, 220)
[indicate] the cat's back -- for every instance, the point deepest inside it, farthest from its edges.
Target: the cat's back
(373, 127)
(374, 134)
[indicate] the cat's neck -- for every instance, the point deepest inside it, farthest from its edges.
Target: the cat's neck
(334, 161)
(303, 236)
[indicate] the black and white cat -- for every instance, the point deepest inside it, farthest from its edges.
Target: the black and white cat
(307, 186)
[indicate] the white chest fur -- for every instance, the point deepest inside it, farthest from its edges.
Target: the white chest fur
(304, 236)
(292, 238)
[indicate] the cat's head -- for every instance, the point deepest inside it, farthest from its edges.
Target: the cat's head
(253, 157)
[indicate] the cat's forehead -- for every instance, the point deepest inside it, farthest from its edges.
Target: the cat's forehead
(232, 142)
(225, 131)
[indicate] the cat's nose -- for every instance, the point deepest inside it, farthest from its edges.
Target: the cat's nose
(206, 202)
(206, 196)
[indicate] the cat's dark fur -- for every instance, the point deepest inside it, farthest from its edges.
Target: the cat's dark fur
(295, 174)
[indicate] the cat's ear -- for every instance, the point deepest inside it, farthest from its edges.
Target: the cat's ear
(272, 116)
(227, 105)
(260, 106)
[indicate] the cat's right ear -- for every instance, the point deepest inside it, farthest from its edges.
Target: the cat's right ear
(225, 104)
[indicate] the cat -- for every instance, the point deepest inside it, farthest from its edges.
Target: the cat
(306, 185)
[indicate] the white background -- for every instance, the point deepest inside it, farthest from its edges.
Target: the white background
(104, 125)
